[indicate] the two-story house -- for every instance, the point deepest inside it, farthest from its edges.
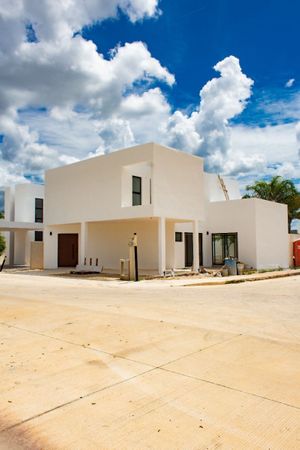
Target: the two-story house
(23, 221)
(183, 217)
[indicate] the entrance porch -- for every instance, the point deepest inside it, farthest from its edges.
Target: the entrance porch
(106, 242)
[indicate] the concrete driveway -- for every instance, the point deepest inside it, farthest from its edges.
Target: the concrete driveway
(88, 365)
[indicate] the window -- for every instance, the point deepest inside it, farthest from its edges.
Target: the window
(39, 216)
(224, 245)
(38, 236)
(136, 191)
(178, 236)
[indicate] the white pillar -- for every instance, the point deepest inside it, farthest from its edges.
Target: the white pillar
(161, 245)
(20, 247)
(83, 243)
(195, 246)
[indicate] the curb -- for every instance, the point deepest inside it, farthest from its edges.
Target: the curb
(243, 280)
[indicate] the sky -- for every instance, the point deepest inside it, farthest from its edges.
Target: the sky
(215, 78)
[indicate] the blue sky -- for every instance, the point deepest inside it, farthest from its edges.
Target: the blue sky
(191, 36)
(88, 77)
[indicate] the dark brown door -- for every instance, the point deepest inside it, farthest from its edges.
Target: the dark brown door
(67, 250)
(189, 252)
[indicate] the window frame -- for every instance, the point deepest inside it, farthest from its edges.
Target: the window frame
(224, 237)
(38, 236)
(178, 236)
(136, 192)
(39, 210)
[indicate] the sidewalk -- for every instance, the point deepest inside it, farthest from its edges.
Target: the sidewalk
(184, 281)
(243, 278)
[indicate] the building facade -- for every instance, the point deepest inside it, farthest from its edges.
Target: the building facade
(183, 217)
(23, 221)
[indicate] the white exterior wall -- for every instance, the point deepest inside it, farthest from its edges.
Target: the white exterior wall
(263, 240)
(261, 227)
(178, 187)
(100, 188)
(92, 189)
(50, 242)
(272, 238)
(235, 216)
(214, 191)
(108, 241)
(19, 206)
(25, 195)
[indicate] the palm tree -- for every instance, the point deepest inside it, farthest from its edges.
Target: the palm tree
(278, 190)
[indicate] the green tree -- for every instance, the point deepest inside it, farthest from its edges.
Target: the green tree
(278, 190)
(2, 240)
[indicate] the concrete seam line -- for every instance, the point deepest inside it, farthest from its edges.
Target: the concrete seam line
(230, 388)
(117, 383)
(199, 350)
(113, 355)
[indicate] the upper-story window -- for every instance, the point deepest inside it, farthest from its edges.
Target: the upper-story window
(39, 207)
(136, 191)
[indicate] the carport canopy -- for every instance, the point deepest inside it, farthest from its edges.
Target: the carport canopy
(20, 226)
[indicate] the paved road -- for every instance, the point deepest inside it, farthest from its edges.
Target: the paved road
(89, 365)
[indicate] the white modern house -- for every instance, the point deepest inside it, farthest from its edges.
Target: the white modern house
(183, 216)
(23, 221)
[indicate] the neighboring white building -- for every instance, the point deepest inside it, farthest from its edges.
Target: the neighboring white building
(183, 216)
(23, 221)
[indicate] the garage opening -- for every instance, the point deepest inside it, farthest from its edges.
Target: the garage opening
(67, 250)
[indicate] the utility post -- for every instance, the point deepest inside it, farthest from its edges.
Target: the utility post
(133, 258)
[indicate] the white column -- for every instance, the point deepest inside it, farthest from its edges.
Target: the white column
(83, 243)
(20, 247)
(195, 246)
(161, 245)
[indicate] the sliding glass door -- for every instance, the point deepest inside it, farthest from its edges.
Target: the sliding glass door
(224, 245)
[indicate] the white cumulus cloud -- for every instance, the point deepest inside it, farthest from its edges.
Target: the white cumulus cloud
(61, 100)
(290, 82)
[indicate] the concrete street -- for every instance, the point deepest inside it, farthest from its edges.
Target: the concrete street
(90, 365)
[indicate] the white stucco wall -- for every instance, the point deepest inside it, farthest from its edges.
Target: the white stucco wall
(19, 206)
(9, 203)
(235, 216)
(108, 241)
(261, 227)
(92, 189)
(25, 195)
(178, 187)
(263, 241)
(101, 188)
(51, 244)
(214, 191)
(272, 238)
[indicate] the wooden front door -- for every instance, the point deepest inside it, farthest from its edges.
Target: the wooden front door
(189, 252)
(67, 250)
(188, 245)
